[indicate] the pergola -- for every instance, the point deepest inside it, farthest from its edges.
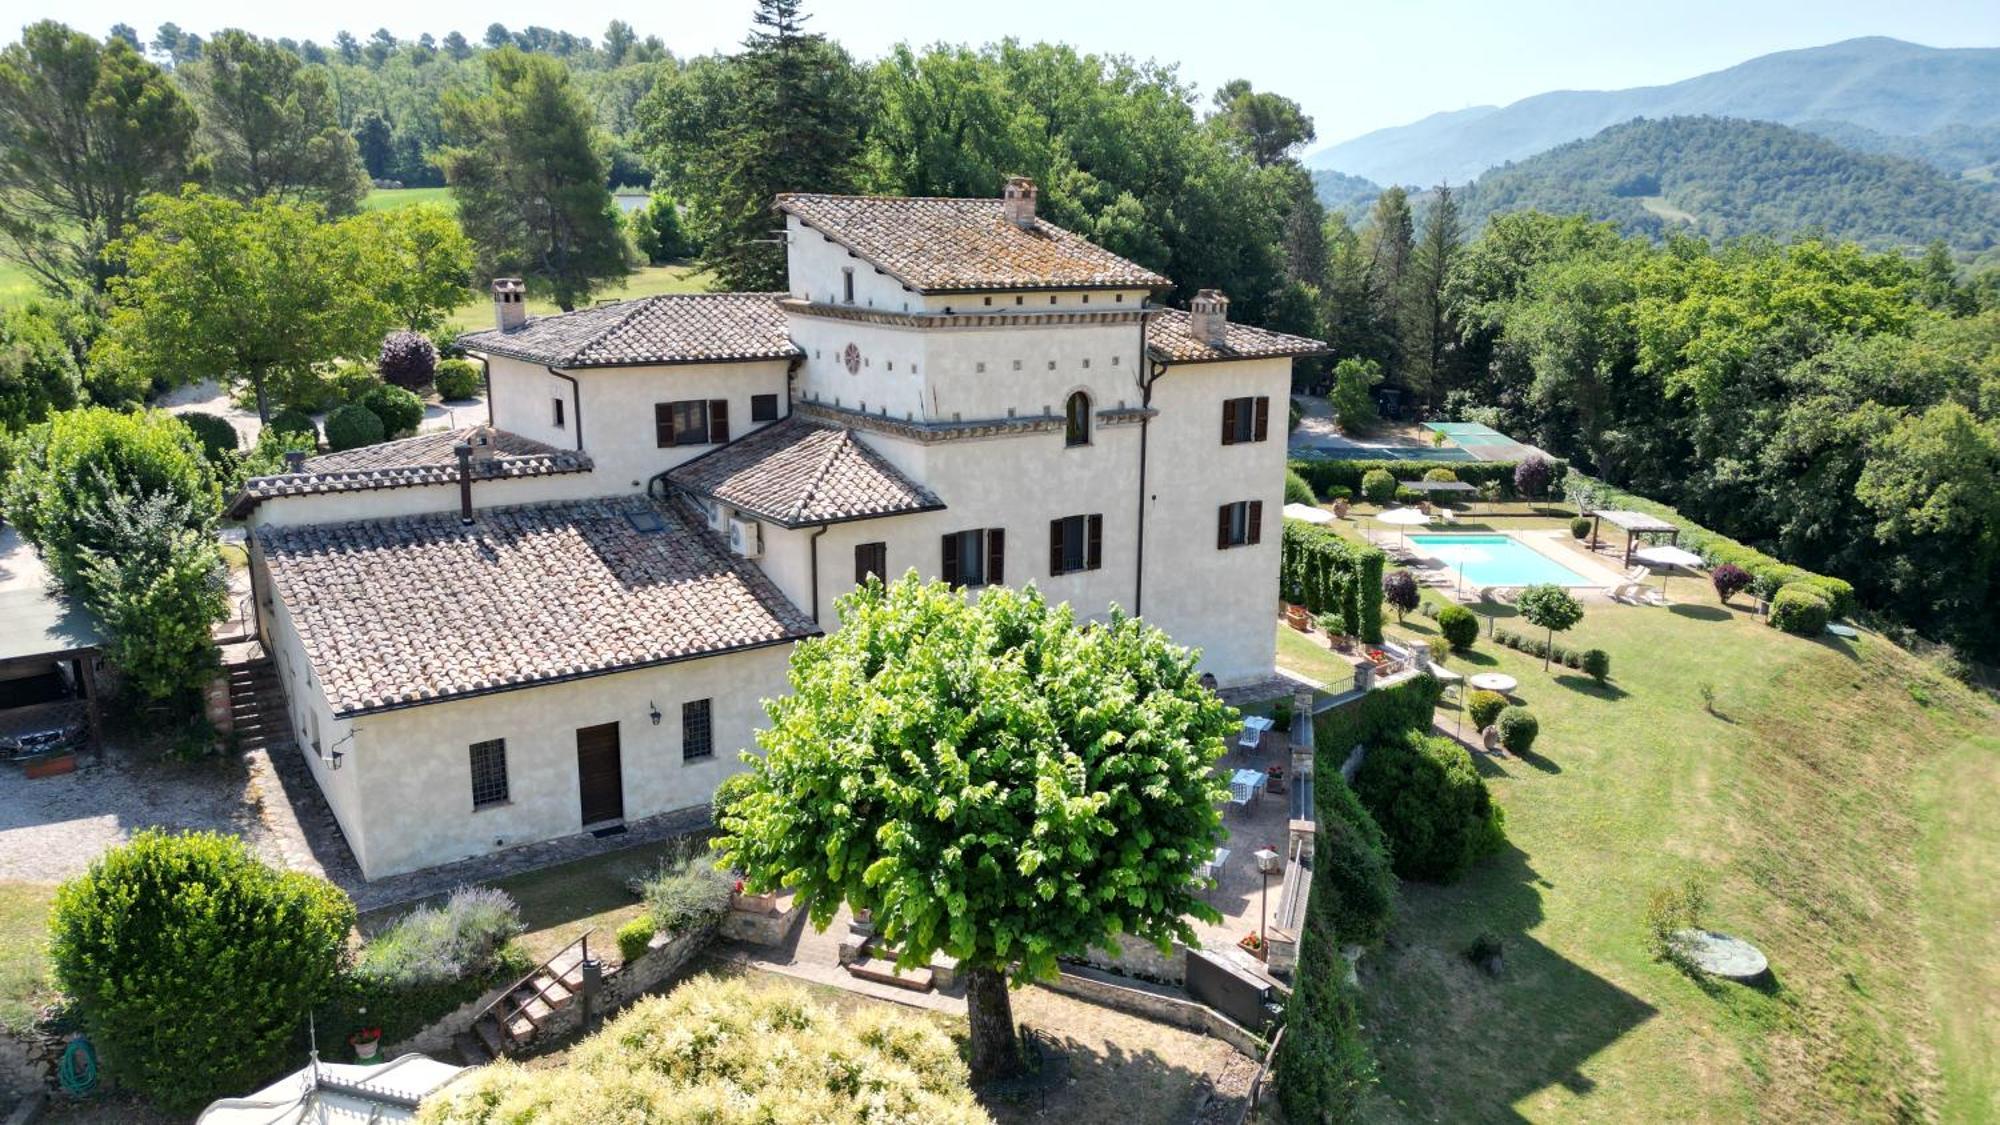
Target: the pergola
(1430, 488)
(39, 629)
(1635, 525)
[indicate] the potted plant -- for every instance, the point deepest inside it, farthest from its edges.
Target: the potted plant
(1252, 944)
(1298, 617)
(1340, 507)
(365, 1043)
(752, 904)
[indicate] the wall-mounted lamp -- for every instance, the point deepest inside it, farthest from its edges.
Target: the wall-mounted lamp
(654, 711)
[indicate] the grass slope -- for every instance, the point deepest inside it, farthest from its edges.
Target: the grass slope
(1836, 805)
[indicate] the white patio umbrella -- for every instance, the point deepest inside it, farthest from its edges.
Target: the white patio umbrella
(1404, 519)
(1310, 513)
(1665, 555)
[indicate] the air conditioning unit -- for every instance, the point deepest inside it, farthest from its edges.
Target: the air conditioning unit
(718, 515)
(746, 538)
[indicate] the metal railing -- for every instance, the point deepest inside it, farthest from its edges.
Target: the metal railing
(514, 1008)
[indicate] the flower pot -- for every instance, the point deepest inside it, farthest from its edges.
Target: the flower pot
(1250, 944)
(765, 903)
(365, 1046)
(1298, 617)
(1340, 507)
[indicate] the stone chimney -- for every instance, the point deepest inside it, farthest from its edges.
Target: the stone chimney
(1019, 202)
(481, 441)
(1208, 317)
(295, 461)
(510, 310)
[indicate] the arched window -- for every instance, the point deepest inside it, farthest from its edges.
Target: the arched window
(1076, 419)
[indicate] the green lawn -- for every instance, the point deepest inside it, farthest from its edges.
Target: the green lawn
(24, 962)
(15, 284)
(384, 199)
(648, 281)
(1839, 806)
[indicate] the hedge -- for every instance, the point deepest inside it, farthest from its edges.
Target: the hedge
(1327, 574)
(1327, 474)
(1324, 1064)
(1800, 610)
(1768, 574)
(1378, 714)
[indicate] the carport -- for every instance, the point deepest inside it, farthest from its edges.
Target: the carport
(48, 650)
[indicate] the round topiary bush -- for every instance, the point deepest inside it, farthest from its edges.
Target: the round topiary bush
(1298, 490)
(1532, 477)
(292, 420)
(216, 435)
(1729, 580)
(1800, 610)
(351, 427)
(634, 937)
(1579, 528)
(408, 359)
(401, 411)
(1378, 486)
(458, 379)
(1597, 664)
(1518, 728)
(193, 963)
(1482, 707)
(1459, 625)
(1441, 475)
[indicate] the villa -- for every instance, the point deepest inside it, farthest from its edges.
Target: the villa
(567, 618)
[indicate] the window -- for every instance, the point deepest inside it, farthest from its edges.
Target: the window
(697, 731)
(1076, 420)
(1245, 419)
(763, 408)
(870, 560)
(975, 558)
(1240, 524)
(558, 404)
(691, 422)
(489, 773)
(1076, 543)
(847, 284)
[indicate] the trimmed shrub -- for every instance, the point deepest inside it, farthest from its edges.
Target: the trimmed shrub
(193, 963)
(458, 379)
(439, 944)
(1432, 805)
(1800, 610)
(686, 893)
(1351, 864)
(1332, 492)
(1324, 1065)
(1328, 574)
(292, 420)
(1378, 486)
(1329, 473)
(1441, 475)
(1533, 477)
(1729, 580)
(353, 426)
(1385, 713)
(216, 435)
(1399, 589)
(408, 359)
(1459, 625)
(1297, 491)
(1579, 528)
(1518, 729)
(1597, 664)
(1482, 707)
(1440, 649)
(401, 411)
(635, 937)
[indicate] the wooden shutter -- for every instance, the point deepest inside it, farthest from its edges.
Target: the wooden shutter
(1222, 527)
(1229, 421)
(871, 558)
(996, 556)
(1055, 547)
(1254, 525)
(663, 423)
(950, 567)
(1263, 426)
(1093, 557)
(718, 419)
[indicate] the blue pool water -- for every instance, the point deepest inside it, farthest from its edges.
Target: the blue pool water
(1497, 560)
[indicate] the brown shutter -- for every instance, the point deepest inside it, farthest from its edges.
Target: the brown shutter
(1094, 551)
(1263, 417)
(950, 567)
(1229, 421)
(1222, 527)
(996, 556)
(718, 419)
(663, 423)
(1255, 533)
(1055, 547)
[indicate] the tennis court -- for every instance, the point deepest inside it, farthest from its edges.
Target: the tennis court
(1482, 442)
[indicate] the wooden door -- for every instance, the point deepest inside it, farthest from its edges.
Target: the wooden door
(599, 777)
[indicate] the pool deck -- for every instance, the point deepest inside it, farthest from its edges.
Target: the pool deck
(1558, 546)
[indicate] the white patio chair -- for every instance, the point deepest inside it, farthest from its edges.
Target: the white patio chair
(1252, 736)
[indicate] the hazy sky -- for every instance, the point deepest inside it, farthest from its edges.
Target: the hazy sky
(1355, 67)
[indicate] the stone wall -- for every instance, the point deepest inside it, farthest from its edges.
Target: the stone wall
(664, 957)
(435, 1040)
(1139, 959)
(1163, 1005)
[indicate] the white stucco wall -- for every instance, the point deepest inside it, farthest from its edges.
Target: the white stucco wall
(385, 503)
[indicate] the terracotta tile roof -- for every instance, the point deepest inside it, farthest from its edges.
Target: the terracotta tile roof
(420, 460)
(671, 328)
(948, 245)
(1169, 340)
(417, 609)
(797, 472)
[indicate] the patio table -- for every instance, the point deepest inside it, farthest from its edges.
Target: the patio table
(1495, 682)
(1255, 779)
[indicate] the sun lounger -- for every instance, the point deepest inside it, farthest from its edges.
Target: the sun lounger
(1634, 587)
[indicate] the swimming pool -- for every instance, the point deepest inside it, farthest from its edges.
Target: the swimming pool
(1497, 560)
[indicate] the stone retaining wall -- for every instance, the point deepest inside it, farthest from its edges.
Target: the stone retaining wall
(1162, 1005)
(664, 957)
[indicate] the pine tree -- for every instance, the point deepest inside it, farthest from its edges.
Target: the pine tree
(1426, 325)
(1387, 246)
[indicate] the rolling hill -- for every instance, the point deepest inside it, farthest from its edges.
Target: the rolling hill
(1722, 178)
(1883, 85)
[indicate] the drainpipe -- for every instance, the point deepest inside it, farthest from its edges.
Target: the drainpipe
(813, 544)
(486, 377)
(575, 404)
(1146, 380)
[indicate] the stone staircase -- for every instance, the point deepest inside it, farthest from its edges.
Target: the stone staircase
(514, 1021)
(257, 715)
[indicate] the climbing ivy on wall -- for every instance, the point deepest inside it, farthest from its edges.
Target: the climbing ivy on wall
(1327, 574)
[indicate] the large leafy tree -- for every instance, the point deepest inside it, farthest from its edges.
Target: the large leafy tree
(1552, 608)
(527, 166)
(38, 374)
(270, 126)
(420, 260)
(86, 129)
(1265, 125)
(993, 781)
(216, 289)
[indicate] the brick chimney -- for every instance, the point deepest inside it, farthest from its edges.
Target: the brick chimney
(510, 310)
(1018, 201)
(1208, 317)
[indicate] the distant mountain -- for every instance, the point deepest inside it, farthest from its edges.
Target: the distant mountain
(1884, 85)
(1339, 191)
(1722, 178)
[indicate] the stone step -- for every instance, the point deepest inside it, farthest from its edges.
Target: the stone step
(885, 972)
(470, 1050)
(490, 1036)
